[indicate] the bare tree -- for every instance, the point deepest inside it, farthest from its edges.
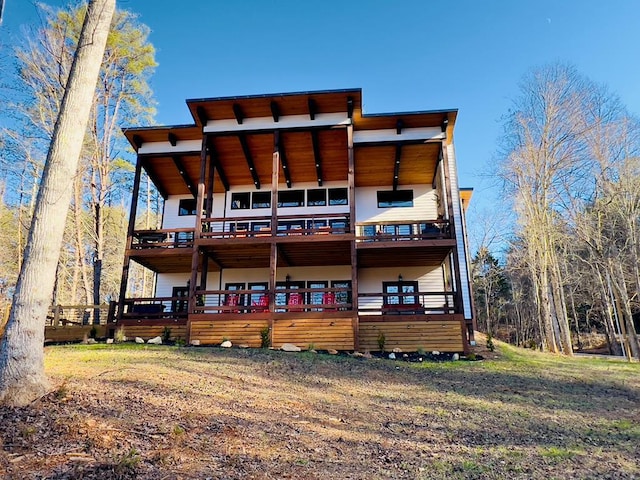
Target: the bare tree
(22, 377)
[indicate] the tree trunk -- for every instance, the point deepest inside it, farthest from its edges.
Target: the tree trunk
(22, 376)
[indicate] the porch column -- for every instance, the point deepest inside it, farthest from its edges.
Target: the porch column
(130, 229)
(273, 263)
(195, 256)
(208, 210)
(352, 229)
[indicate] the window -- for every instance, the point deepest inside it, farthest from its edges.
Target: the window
(291, 198)
(261, 200)
(316, 197)
(187, 206)
(316, 298)
(342, 296)
(338, 196)
(397, 198)
(240, 201)
(181, 299)
(400, 287)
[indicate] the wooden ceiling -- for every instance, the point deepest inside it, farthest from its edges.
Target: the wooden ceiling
(310, 155)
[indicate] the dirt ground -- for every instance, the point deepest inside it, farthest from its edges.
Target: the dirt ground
(159, 412)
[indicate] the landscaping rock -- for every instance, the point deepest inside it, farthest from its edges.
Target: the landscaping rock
(244, 345)
(139, 340)
(357, 355)
(109, 341)
(331, 351)
(435, 352)
(455, 357)
(392, 356)
(226, 344)
(367, 355)
(289, 347)
(397, 350)
(91, 341)
(155, 341)
(195, 343)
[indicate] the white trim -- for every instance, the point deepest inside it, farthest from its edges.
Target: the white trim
(391, 135)
(166, 147)
(284, 122)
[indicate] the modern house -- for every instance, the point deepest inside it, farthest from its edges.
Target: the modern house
(296, 218)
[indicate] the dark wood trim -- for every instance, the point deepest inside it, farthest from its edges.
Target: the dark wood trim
(399, 126)
(183, 173)
(249, 158)
(161, 191)
(130, 229)
(275, 112)
(396, 166)
(137, 141)
(173, 139)
(211, 170)
(316, 156)
(218, 165)
(350, 107)
(195, 256)
(238, 113)
(351, 180)
(285, 164)
(313, 108)
(202, 115)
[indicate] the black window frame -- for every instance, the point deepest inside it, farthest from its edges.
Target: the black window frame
(394, 198)
(238, 203)
(186, 211)
(341, 196)
(317, 202)
(402, 300)
(262, 204)
(294, 202)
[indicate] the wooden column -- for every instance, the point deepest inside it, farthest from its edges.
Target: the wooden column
(452, 228)
(195, 256)
(351, 173)
(131, 227)
(273, 263)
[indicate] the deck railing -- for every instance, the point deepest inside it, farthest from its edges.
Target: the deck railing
(287, 225)
(163, 238)
(63, 315)
(284, 299)
(402, 230)
(411, 303)
(155, 308)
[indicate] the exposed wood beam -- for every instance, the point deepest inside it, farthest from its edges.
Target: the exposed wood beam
(316, 156)
(183, 173)
(173, 139)
(445, 124)
(313, 109)
(286, 262)
(399, 126)
(396, 166)
(218, 165)
(163, 193)
(202, 115)
(137, 140)
(237, 111)
(275, 111)
(435, 170)
(213, 259)
(285, 163)
(249, 158)
(350, 107)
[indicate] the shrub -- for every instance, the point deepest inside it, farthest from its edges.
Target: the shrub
(381, 341)
(490, 344)
(265, 338)
(166, 335)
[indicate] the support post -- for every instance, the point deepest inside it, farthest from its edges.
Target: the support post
(273, 261)
(132, 222)
(352, 229)
(195, 256)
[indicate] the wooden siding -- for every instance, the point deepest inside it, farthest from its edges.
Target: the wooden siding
(150, 331)
(409, 336)
(323, 333)
(72, 333)
(238, 332)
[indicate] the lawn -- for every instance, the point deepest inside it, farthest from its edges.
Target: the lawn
(137, 411)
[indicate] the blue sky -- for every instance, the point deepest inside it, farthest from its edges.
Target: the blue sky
(405, 55)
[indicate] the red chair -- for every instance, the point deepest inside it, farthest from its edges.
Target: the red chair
(262, 304)
(232, 301)
(295, 299)
(329, 298)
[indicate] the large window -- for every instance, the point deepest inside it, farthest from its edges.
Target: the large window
(187, 206)
(395, 198)
(400, 287)
(316, 197)
(240, 201)
(261, 200)
(291, 198)
(338, 196)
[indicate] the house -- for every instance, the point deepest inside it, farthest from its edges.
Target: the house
(296, 218)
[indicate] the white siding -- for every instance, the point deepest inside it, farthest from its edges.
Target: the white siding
(166, 281)
(297, 274)
(391, 135)
(461, 244)
(424, 205)
(171, 219)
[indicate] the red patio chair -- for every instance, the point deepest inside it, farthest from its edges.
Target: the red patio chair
(295, 299)
(329, 298)
(262, 304)
(232, 301)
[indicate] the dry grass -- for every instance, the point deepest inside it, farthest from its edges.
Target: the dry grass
(131, 411)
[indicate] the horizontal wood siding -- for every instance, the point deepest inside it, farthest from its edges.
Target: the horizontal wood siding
(150, 331)
(72, 333)
(410, 336)
(238, 332)
(323, 333)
